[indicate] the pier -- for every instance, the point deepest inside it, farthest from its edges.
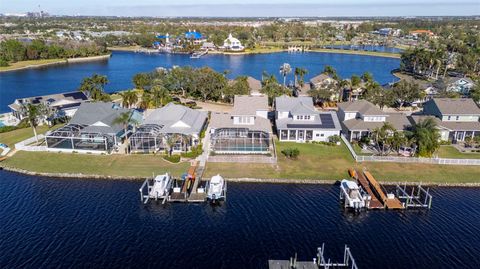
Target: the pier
(319, 262)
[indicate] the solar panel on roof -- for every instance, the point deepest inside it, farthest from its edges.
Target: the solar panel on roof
(327, 123)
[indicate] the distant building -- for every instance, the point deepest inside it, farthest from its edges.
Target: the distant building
(322, 81)
(460, 85)
(196, 37)
(417, 33)
(232, 44)
(208, 46)
(297, 120)
(60, 105)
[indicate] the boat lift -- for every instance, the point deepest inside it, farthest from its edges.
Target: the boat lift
(318, 263)
(422, 198)
(148, 190)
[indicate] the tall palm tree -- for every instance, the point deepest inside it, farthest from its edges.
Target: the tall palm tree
(33, 113)
(93, 87)
(159, 95)
(329, 70)
(300, 72)
(146, 100)
(129, 98)
(285, 69)
(125, 119)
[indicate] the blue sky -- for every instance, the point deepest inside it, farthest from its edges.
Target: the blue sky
(240, 8)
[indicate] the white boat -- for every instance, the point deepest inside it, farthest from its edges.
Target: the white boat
(216, 188)
(352, 195)
(161, 186)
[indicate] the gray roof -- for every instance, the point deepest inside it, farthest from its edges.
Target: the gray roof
(102, 113)
(254, 84)
(398, 120)
(449, 125)
(361, 106)
(319, 78)
(69, 98)
(321, 120)
(225, 120)
(299, 104)
(456, 106)
(177, 119)
(246, 105)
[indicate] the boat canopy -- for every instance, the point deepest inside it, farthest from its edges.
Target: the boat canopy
(350, 184)
(216, 179)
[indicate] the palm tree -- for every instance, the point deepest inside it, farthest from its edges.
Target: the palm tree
(329, 70)
(129, 98)
(125, 119)
(426, 136)
(300, 72)
(382, 137)
(33, 113)
(285, 69)
(146, 100)
(159, 95)
(93, 87)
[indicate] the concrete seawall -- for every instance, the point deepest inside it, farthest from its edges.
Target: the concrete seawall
(64, 61)
(241, 180)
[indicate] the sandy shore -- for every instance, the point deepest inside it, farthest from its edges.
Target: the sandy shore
(239, 180)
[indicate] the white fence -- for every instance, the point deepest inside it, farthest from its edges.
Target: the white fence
(360, 158)
(24, 145)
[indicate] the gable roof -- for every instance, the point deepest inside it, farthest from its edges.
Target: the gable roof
(456, 106)
(361, 106)
(99, 117)
(319, 78)
(246, 105)
(177, 119)
(57, 99)
(300, 104)
(224, 120)
(321, 120)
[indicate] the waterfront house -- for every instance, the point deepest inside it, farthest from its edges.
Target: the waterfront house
(320, 82)
(195, 37)
(93, 129)
(456, 118)
(232, 44)
(255, 86)
(359, 118)
(459, 85)
(245, 130)
(297, 120)
(60, 105)
(172, 127)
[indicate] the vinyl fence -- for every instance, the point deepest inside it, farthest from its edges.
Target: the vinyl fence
(360, 158)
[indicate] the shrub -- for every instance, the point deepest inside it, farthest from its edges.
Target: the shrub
(334, 139)
(195, 152)
(291, 153)
(5, 129)
(172, 159)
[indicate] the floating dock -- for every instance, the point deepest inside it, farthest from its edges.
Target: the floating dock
(318, 262)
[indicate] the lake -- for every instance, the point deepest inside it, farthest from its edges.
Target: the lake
(73, 223)
(121, 67)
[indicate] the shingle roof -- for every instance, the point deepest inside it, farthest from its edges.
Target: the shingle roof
(171, 114)
(68, 97)
(362, 106)
(456, 106)
(286, 103)
(254, 84)
(449, 125)
(224, 120)
(106, 113)
(399, 121)
(319, 78)
(321, 120)
(249, 105)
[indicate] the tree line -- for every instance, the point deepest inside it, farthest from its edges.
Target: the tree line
(12, 50)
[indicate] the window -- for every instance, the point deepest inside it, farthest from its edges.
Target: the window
(457, 118)
(308, 135)
(292, 135)
(449, 117)
(283, 135)
(317, 135)
(322, 135)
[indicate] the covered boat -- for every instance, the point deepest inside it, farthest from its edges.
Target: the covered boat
(216, 188)
(161, 186)
(352, 195)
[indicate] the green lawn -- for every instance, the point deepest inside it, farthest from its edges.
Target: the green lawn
(452, 152)
(115, 165)
(23, 64)
(331, 163)
(15, 136)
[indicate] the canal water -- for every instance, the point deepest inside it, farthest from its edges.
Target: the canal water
(70, 223)
(121, 67)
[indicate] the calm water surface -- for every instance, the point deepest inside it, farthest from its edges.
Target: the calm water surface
(123, 65)
(68, 223)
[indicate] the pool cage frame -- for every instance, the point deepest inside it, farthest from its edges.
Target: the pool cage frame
(71, 137)
(149, 138)
(240, 141)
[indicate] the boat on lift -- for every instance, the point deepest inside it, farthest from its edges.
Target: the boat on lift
(161, 186)
(352, 195)
(216, 188)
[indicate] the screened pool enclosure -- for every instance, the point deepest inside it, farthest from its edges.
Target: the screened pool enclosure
(76, 137)
(240, 141)
(150, 138)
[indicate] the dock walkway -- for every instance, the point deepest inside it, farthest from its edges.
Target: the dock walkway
(390, 203)
(374, 202)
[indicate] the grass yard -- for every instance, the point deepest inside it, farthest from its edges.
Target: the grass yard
(114, 165)
(24, 64)
(331, 163)
(15, 136)
(452, 152)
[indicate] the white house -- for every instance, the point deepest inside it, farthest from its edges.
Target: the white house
(232, 44)
(297, 120)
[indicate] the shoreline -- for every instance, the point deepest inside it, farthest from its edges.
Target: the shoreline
(59, 62)
(237, 180)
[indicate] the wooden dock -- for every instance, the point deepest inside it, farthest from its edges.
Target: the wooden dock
(389, 203)
(374, 202)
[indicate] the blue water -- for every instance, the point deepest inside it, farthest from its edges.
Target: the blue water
(123, 65)
(73, 223)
